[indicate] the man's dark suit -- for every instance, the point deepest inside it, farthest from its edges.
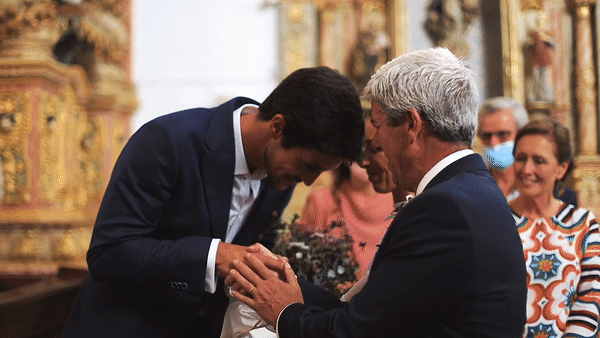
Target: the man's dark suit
(450, 265)
(168, 196)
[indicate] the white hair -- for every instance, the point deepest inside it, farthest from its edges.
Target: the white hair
(495, 104)
(434, 82)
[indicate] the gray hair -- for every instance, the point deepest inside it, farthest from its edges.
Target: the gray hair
(495, 104)
(434, 82)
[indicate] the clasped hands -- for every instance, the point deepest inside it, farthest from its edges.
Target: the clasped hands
(263, 281)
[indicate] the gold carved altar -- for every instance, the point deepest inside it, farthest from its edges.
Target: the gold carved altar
(328, 32)
(66, 99)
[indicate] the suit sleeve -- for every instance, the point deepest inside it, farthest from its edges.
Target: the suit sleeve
(419, 275)
(124, 248)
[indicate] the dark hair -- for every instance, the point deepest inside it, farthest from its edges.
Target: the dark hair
(341, 175)
(321, 110)
(558, 134)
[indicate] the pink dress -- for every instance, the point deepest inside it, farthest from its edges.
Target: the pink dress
(365, 218)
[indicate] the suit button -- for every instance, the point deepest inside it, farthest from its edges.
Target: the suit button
(184, 286)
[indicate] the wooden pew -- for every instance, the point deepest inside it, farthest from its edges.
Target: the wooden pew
(38, 308)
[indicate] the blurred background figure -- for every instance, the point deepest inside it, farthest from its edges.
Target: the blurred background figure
(540, 46)
(355, 208)
(499, 120)
(561, 242)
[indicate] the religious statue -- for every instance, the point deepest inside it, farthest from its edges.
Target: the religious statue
(540, 45)
(372, 47)
(448, 21)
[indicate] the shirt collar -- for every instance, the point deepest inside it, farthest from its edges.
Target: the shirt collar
(446, 161)
(241, 166)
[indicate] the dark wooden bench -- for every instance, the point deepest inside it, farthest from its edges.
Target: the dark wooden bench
(37, 307)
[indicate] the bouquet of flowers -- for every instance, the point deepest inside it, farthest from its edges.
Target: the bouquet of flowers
(321, 259)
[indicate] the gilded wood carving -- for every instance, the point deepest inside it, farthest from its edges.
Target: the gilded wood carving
(15, 126)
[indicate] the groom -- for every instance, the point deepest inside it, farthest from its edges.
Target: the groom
(451, 263)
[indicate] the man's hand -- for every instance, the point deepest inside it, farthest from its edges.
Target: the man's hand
(268, 295)
(227, 253)
(271, 260)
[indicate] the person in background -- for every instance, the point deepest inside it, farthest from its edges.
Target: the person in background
(561, 242)
(354, 208)
(499, 120)
(191, 192)
(451, 262)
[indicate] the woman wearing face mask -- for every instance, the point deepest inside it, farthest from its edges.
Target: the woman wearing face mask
(561, 242)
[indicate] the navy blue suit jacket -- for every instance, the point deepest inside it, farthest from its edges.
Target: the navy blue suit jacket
(450, 265)
(168, 197)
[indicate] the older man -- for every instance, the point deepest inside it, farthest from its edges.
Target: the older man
(451, 263)
(499, 120)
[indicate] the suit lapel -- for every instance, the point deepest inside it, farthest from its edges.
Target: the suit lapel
(219, 165)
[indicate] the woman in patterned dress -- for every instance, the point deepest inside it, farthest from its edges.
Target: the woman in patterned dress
(561, 243)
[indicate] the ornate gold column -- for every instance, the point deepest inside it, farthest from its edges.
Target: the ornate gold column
(587, 172)
(62, 125)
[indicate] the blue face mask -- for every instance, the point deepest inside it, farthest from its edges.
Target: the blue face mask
(500, 156)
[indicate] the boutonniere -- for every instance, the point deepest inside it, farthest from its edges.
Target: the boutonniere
(398, 206)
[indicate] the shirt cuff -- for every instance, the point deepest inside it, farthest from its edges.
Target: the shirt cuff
(210, 279)
(278, 316)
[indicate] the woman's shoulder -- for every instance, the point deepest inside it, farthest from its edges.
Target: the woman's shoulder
(321, 199)
(569, 214)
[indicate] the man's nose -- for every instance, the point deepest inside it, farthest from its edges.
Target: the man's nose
(375, 145)
(494, 141)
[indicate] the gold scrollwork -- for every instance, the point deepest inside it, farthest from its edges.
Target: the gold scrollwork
(53, 170)
(102, 26)
(116, 7)
(90, 159)
(25, 247)
(65, 247)
(295, 14)
(532, 5)
(71, 154)
(83, 137)
(581, 3)
(588, 185)
(15, 112)
(16, 15)
(119, 138)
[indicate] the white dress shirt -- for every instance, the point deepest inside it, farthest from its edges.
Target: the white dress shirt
(246, 187)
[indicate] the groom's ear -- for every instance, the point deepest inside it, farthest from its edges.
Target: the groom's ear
(276, 126)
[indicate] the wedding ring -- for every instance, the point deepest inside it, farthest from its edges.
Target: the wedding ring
(254, 287)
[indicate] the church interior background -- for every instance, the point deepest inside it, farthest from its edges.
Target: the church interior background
(70, 98)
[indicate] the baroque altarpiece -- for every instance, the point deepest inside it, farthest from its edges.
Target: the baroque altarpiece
(66, 100)
(358, 36)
